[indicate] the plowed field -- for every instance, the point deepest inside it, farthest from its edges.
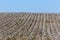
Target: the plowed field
(28, 26)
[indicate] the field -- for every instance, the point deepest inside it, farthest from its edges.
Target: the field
(28, 26)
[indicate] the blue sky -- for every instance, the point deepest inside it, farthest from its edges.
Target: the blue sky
(30, 6)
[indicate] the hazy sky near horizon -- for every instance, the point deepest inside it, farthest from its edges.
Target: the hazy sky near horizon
(30, 6)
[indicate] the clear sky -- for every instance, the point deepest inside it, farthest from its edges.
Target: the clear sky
(30, 6)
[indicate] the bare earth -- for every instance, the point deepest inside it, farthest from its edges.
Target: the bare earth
(28, 26)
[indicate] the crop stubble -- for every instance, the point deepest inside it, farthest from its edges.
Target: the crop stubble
(28, 26)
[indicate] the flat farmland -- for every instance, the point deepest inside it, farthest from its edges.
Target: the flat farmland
(29, 26)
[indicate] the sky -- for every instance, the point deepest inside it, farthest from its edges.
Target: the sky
(50, 6)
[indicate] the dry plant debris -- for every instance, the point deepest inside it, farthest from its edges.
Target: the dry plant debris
(29, 26)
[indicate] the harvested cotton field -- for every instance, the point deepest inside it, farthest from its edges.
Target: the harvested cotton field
(29, 26)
